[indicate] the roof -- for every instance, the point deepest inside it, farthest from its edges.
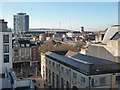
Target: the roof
(22, 41)
(70, 53)
(86, 64)
(111, 32)
(91, 59)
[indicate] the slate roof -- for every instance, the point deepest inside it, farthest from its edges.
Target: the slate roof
(86, 64)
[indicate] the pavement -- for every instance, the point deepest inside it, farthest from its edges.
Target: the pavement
(30, 73)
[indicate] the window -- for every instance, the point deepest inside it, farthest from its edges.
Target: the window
(22, 45)
(62, 83)
(82, 79)
(62, 69)
(5, 48)
(2, 75)
(6, 58)
(22, 51)
(117, 79)
(53, 81)
(67, 85)
(5, 38)
(67, 71)
(27, 51)
(53, 64)
(28, 45)
(57, 81)
(102, 80)
(49, 62)
(74, 75)
(57, 66)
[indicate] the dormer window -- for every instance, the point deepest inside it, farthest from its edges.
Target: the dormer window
(22, 45)
(27, 45)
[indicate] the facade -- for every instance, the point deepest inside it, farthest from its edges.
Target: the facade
(79, 71)
(34, 52)
(108, 48)
(8, 79)
(21, 23)
(5, 53)
(21, 53)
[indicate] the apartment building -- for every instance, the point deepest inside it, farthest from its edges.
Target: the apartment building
(21, 23)
(5, 53)
(75, 70)
(8, 79)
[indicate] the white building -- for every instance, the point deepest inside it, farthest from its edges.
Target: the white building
(109, 48)
(7, 75)
(76, 70)
(5, 53)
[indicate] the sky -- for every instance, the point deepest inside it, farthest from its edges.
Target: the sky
(69, 15)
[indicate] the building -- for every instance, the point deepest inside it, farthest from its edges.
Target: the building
(75, 70)
(108, 48)
(5, 53)
(21, 23)
(8, 79)
(21, 53)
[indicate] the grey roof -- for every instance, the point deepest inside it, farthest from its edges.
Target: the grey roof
(23, 41)
(70, 53)
(86, 64)
(91, 59)
(110, 33)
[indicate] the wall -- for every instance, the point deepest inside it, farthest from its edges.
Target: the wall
(111, 51)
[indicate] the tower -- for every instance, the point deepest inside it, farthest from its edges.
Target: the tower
(21, 23)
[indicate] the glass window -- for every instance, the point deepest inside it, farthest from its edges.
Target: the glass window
(62, 83)
(49, 62)
(53, 64)
(67, 71)
(27, 51)
(82, 79)
(74, 75)
(57, 66)
(117, 79)
(62, 69)
(22, 45)
(27, 45)
(5, 48)
(2, 75)
(5, 38)
(6, 58)
(102, 80)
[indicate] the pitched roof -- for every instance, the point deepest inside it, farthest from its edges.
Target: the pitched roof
(86, 64)
(110, 33)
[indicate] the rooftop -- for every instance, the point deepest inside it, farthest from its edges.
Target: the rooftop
(86, 64)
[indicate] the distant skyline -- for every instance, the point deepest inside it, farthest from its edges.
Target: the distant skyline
(69, 15)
